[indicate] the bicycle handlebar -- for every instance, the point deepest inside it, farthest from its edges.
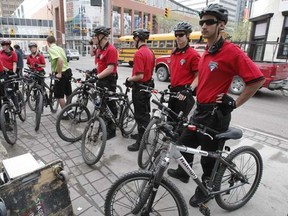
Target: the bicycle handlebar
(165, 108)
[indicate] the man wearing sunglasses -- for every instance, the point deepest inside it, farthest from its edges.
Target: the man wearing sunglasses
(183, 71)
(220, 62)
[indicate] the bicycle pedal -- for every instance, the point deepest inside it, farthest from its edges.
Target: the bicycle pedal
(204, 209)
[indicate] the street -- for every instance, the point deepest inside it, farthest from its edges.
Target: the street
(88, 185)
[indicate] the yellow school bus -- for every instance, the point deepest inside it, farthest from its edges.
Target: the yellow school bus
(160, 44)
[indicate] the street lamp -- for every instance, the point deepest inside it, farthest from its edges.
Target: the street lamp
(81, 14)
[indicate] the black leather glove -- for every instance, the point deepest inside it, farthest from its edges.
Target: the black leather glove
(128, 83)
(36, 65)
(228, 104)
(186, 92)
(93, 79)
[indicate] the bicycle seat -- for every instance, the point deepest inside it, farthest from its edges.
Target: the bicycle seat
(231, 133)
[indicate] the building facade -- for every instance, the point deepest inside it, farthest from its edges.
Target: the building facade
(7, 7)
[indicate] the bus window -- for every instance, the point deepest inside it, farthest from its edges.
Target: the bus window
(169, 44)
(149, 43)
(132, 44)
(155, 44)
(162, 44)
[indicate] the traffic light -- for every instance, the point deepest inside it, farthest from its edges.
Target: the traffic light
(167, 12)
(51, 33)
(12, 32)
(149, 26)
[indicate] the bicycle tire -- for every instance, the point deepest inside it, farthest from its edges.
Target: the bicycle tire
(53, 102)
(25, 90)
(148, 143)
(32, 96)
(71, 130)
(167, 190)
(119, 89)
(127, 120)
(226, 177)
(38, 110)
(95, 135)
(8, 114)
(22, 106)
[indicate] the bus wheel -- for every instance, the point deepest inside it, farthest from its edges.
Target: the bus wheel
(162, 74)
(131, 63)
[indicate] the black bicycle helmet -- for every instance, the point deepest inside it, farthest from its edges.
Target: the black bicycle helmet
(183, 26)
(102, 30)
(143, 34)
(5, 41)
(32, 44)
(215, 10)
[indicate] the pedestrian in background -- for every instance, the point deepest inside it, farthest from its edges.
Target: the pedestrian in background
(20, 63)
(143, 65)
(61, 69)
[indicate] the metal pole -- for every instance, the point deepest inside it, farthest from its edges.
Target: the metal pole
(107, 13)
(82, 12)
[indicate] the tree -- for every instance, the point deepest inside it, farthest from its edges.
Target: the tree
(241, 32)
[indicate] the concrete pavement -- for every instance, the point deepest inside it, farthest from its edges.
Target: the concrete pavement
(88, 185)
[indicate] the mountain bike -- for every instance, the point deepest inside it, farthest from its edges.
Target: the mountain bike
(39, 98)
(234, 179)
(12, 104)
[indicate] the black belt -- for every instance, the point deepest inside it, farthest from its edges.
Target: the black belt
(179, 88)
(207, 107)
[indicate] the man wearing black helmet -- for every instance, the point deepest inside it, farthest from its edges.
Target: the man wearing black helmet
(183, 70)
(220, 62)
(106, 60)
(144, 62)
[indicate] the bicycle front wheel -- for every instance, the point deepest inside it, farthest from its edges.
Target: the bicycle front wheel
(32, 97)
(72, 121)
(125, 194)
(149, 142)
(53, 102)
(22, 106)
(127, 120)
(94, 141)
(8, 124)
(38, 110)
(248, 163)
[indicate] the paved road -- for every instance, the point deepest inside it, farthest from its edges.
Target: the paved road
(88, 185)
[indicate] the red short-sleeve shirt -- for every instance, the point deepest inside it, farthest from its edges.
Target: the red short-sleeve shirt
(38, 59)
(143, 62)
(1, 66)
(8, 59)
(108, 56)
(183, 67)
(216, 71)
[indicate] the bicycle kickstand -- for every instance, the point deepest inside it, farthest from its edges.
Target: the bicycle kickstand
(204, 209)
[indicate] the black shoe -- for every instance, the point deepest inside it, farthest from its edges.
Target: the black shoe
(111, 135)
(175, 174)
(133, 147)
(198, 198)
(134, 136)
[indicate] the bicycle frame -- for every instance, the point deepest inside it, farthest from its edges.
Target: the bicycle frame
(174, 151)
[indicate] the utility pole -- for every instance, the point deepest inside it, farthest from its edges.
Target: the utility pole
(81, 15)
(107, 13)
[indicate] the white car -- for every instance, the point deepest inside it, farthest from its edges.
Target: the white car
(72, 54)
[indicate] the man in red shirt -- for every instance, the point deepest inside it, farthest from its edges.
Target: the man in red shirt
(8, 57)
(144, 62)
(36, 60)
(183, 70)
(106, 65)
(220, 62)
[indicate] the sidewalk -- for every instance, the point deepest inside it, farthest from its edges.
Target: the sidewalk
(89, 185)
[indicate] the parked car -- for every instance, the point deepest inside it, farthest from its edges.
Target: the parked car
(276, 75)
(72, 54)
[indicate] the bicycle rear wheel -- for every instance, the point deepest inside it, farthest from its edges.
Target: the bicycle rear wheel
(8, 124)
(32, 96)
(53, 102)
(127, 119)
(248, 162)
(127, 191)
(151, 138)
(72, 121)
(94, 141)
(22, 106)
(38, 109)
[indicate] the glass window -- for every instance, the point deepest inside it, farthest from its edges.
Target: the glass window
(16, 21)
(44, 23)
(10, 21)
(155, 44)
(4, 21)
(260, 29)
(161, 44)
(34, 22)
(22, 22)
(169, 44)
(28, 22)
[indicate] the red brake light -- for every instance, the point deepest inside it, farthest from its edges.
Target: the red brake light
(192, 127)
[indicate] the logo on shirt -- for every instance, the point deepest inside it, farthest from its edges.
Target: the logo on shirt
(182, 61)
(213, 66)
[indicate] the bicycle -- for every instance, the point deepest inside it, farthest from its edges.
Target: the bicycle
(39, 98)
(234, 179)
(12, 103)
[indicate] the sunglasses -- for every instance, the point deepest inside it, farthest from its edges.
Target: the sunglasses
(179, 34)
(208, 22)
